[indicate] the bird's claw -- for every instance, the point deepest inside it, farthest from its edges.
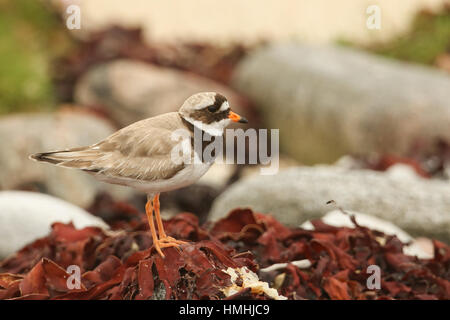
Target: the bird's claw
(167, 242)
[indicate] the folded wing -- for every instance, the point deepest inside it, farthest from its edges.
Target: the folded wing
(140, 151)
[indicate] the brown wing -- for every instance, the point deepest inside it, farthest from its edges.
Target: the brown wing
(139, 151)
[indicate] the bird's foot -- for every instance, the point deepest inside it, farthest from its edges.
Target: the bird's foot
(170, 240)
(167, 242)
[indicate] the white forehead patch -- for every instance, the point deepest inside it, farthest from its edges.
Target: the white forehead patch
(225, 106)
(202, 100)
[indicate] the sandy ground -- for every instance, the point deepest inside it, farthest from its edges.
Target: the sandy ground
(318, 21)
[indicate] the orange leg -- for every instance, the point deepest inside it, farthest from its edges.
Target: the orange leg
(164, 239)
(149, 212)
(156, 206)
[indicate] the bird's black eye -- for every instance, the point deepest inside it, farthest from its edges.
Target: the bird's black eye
(213, 108)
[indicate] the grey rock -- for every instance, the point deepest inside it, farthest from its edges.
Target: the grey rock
(420, 207)
(331, 101)
(27, 216)
(133, 90)
(24, 134)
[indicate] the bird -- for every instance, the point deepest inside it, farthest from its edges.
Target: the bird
(139, 155)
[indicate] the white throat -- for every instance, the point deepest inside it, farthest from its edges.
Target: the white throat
(213, 129)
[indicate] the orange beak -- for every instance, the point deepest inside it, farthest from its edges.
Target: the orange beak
(236, 118)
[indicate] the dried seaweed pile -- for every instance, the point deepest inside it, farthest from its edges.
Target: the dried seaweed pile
(122, 265)
(428, 161)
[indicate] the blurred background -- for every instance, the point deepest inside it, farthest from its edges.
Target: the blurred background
(360, 91)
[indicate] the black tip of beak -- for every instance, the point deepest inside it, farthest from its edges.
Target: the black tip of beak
(243, 120)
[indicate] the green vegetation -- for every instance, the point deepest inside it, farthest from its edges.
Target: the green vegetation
(31, 35)
(428, 37)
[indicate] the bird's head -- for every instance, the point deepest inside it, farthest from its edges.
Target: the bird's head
(210, 112)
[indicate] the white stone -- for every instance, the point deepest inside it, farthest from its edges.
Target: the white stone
(301, 264)
(27, 216)
(402, 172)
(337, 218)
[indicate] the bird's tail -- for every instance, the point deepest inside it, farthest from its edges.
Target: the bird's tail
(79, 158)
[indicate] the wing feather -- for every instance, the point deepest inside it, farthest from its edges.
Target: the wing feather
(140, 151)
